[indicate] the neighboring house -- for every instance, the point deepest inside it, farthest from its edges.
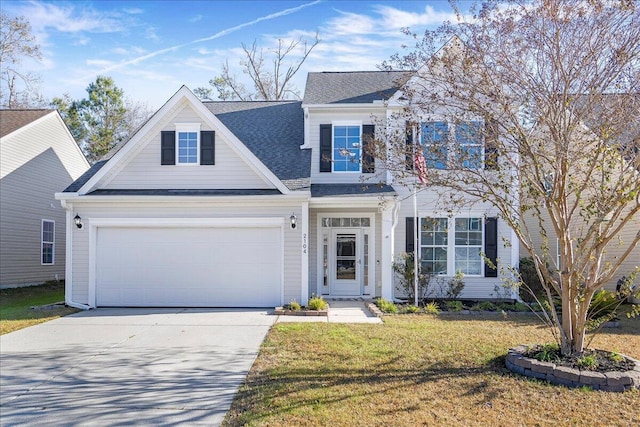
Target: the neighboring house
(261, 203)
(38, 157)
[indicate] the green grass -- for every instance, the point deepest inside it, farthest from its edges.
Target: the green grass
(15, 306)
(419, 370)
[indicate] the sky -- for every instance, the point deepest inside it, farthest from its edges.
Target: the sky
(152, 48)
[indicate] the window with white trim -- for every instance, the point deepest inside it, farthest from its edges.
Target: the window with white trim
(446, 145)
(187, 143)
(47, 246)
(347, 148)
(445, 249)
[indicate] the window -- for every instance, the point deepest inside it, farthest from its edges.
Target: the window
(434, 137)
(433, 245)
(469, 143)
(187, 143)
(437, 145)
(446, 250)
(187, 147)
(468, 245)
(347, 148)
(48, 242)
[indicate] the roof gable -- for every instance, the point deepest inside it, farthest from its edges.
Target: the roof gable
(115, 162)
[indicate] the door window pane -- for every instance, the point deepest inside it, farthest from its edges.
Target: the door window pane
(346, 256)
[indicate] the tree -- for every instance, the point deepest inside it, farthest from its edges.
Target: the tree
(269, 83)
(98, 122)
(551, 87)
(16, 43)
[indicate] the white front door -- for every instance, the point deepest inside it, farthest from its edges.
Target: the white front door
(345, 272)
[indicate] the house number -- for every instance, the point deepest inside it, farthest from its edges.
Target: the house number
(304, 243)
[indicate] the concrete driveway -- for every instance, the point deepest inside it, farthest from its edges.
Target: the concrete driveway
(129, 366)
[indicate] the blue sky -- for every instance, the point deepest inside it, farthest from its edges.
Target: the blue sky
(151, 48)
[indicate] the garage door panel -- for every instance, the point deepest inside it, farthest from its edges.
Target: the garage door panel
(189, 267)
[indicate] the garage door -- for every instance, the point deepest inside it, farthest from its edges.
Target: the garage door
(188, 267)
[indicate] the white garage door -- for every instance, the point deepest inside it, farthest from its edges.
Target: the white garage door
(188, 267)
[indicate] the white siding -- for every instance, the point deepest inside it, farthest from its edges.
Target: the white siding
(211, 208)
(144, 171)
(475, 287)
(36, 162)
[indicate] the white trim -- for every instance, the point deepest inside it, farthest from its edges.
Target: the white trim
(319, 243)
(52, 242)
(187, 128)
(305, 246)
(95, 223)
(274, 199)
(121, 158)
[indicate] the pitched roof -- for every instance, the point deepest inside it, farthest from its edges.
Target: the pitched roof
(12, 120)
(352, 87)
(274, 132)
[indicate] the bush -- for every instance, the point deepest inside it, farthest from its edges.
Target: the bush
(456, 285)
(411, 309)
(454, 306)
(405, 273)
(317, 303)
(484, 306)
(432, 308)
(386, 306)
(293, 306)
(530, 281)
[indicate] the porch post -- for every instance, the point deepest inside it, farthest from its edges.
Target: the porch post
(386, 240)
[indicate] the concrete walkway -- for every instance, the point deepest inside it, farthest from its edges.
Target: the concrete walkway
(340, 311)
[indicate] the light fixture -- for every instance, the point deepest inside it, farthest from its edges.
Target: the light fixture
(78, 221)
(293, 220)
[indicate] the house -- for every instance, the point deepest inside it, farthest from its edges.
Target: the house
(38, 157)
(256, 204)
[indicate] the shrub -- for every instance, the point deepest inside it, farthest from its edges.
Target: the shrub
(602, 308)
(386, 306)
(317, 303)
(293, 306)
(410, 309)
(432, 308)
(484, 306)
(454, 305)
(530, 281)
(455, 286)
(547, 353)
(589, 361)
(405, 273)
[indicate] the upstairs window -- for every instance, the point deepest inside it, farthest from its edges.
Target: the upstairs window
(446, 145)
(187, 147)
(347, 148)
(47, 247)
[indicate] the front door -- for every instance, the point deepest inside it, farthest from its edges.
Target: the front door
(346, 262)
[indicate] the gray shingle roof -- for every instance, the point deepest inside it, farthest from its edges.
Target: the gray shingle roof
(274, 132)
(12, 120)
(352, 87)
(351, 190)
(78, 183)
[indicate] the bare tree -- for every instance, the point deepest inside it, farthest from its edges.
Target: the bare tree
(19, 88)
(550, 90)
(271, 78)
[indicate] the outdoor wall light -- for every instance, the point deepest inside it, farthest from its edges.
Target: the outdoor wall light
(78, 221)
(293, 220)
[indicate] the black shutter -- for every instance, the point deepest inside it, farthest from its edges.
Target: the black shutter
(409, 230)
(325, 148)
(168, 148)
(491, 246)
(207, 147)
(409, 153)
(491, 144)
(368, 161)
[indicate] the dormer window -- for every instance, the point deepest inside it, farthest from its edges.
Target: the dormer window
(347, 148)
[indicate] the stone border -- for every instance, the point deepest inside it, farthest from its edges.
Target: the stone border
(561, 375)
(303, 312)
(373, 309)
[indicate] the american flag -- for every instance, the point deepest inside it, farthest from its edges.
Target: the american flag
(420, 166)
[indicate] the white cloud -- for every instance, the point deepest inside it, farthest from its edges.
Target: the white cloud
(393, 18)
(196, 18)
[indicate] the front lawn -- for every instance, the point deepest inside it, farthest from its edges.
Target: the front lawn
(16, 303)
(420, 370)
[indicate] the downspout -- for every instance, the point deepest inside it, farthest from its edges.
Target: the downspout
(68, 250)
